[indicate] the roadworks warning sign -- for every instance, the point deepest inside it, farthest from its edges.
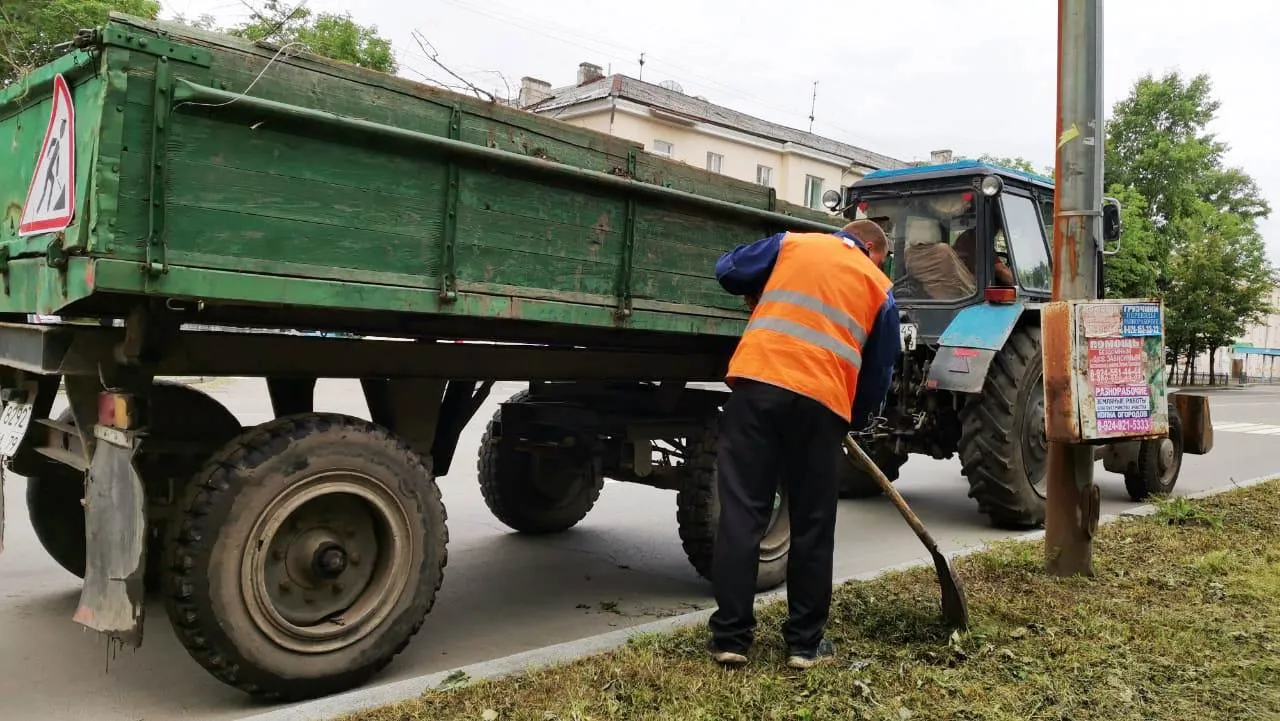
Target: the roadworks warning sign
(51, 199)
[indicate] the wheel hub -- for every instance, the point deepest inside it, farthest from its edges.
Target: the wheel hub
(330, 561)
(1167, 454)
(1035, 444)
(327, 562)
(557, 479)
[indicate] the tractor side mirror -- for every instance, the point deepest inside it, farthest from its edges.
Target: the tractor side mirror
(1111, 225)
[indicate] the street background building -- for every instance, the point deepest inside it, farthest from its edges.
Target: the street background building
(799, 165)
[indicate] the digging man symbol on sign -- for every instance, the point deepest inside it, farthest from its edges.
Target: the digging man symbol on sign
(54, 196)
(51, 199)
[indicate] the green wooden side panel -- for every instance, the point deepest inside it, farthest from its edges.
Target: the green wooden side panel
(277, 204)
(24, 118)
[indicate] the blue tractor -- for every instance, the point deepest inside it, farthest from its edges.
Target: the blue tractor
(971, 246)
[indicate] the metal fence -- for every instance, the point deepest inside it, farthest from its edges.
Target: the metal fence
(1222, 379)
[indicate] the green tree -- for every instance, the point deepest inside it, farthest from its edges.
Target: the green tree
(332, 36)
(205, 22)
(1196, 219)
(1158, 144)
(1016, 163)
(1219, 283)
(1132, 272)
(31, 30)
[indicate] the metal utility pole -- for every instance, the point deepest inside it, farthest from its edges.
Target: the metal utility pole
(1071, 515)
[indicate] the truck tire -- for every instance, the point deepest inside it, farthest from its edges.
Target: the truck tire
(856, 482)
(542, 494)
(309, 552)
(1003, 447)
(53, 505)
(180, 413)
(1159, 463)
(698, 513)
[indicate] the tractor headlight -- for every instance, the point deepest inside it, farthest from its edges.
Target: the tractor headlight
(992, 185)
(832, 199)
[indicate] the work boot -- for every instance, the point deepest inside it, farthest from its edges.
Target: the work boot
(725, 658)
(810, 657)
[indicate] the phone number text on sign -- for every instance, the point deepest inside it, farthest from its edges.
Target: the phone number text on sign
(1125, 425)
(1116, 362)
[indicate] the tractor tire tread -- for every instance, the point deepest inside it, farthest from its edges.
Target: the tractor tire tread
(989, 439)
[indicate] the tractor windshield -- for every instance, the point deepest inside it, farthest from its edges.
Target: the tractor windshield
(1026, 237)
(933, 244)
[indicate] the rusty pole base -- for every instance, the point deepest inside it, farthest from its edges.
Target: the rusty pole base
(1072, 509)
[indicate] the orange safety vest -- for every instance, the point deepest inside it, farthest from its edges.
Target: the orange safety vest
(806, 332)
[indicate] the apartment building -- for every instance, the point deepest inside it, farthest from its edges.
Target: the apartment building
(800, 166)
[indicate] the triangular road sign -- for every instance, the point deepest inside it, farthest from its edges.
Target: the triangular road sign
(51, 200)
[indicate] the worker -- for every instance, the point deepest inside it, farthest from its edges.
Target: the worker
(816, 358)
(873, 238)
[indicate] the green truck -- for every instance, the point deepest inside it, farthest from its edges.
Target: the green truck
(177, 192)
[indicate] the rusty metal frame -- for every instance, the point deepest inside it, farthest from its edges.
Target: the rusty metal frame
(88, 350)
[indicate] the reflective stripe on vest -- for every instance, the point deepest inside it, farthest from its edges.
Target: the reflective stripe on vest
(808, 328)
(847, 352)
(808, 302)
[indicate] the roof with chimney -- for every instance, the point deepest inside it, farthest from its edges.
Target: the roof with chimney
(675, 102)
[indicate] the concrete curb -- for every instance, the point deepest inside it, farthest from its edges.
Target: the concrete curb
(363, 699)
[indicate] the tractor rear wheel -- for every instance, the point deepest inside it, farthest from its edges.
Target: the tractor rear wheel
(1003, 448)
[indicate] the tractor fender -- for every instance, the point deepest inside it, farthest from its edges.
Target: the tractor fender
(971, 341)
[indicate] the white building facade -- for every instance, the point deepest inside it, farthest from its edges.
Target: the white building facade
(799, 166)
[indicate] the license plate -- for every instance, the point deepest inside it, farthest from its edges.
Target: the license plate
(13, 426)
(907, 333)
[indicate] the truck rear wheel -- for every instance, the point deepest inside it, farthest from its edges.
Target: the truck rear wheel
(53, 505)
(535, 493)
(179, 413)
(1003, 448)
(309, 552)
(698, 513)
(1159, 463)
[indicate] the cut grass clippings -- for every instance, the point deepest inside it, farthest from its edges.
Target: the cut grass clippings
(1181, 621)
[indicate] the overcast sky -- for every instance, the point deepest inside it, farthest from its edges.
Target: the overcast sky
(898, 78)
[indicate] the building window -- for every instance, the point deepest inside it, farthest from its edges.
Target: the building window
(714, 162)
(662, 147)
(764, 175)
(813, 192)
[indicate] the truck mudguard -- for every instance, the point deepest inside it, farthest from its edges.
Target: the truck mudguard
(969, 343)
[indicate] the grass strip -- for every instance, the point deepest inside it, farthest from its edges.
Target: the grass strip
(1181, 621)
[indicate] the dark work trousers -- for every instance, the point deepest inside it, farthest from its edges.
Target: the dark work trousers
(770, 435)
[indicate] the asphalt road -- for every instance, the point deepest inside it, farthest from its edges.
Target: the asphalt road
(502, 593)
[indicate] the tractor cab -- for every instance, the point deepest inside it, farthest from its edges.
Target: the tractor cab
(971, 268)
(962, 234)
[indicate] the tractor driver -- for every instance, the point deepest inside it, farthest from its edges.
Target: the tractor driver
(934, 263)
(968, 254)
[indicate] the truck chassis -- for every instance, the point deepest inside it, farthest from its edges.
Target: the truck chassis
(298, 557)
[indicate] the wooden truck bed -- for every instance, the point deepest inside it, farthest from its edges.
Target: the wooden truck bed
(252, 187)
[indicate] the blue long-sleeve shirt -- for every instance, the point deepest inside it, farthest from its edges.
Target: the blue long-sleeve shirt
(745, 271)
